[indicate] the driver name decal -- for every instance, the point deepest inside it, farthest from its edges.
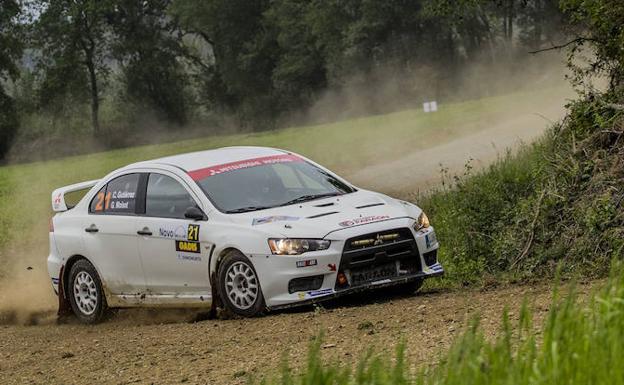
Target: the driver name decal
(247, 163)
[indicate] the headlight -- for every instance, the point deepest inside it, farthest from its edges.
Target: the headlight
(422, 222)
(290, 246)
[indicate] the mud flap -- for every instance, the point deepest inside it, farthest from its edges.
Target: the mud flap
(64, 307)
(215, 297)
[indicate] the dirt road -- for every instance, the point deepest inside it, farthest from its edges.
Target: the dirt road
(422, 169)
(163, 348)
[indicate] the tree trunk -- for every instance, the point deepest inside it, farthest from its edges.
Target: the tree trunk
(95, 102)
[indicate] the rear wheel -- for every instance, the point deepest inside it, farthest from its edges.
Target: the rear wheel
(85, 293)
(239, 286)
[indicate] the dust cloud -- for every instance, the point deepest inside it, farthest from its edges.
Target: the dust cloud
(26, 295)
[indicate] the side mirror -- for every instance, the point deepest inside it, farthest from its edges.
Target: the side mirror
(194, 213)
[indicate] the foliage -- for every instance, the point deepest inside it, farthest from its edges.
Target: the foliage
(148, 45)
(110, 67)
(577, 344)
(599, 24)
(73, 41)
(558, 202)
(10, 52)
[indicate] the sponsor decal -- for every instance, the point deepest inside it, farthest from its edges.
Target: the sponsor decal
(55, 281)
(301, 295)
(187, 246)
(318, 293)
(362, 220)
(307, 263)
(191, 258)
(247, 163)
(57, 199)
(177, 233)
(274, 218)
(332, 267)
(193, 233)
(378, 240)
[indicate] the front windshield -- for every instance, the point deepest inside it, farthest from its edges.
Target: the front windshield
(271, 184)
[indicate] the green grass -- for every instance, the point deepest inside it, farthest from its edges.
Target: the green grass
(581, 342)
(343, 146)
(557, 202)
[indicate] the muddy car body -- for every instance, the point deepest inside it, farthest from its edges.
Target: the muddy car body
(249, 228)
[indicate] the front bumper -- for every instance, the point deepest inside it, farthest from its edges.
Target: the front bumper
(325, 295)
(276, 272)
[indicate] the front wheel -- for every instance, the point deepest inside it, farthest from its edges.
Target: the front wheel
(239, 286)
(85, 293)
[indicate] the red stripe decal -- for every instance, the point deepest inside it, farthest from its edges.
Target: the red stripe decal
(247, 163)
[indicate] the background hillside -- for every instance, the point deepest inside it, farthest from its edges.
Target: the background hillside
(78, 76)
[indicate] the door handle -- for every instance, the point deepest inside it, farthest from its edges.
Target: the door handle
(92, 229)
(146, 231)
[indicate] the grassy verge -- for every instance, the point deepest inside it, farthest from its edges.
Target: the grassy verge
(579, 343)
(557, 202)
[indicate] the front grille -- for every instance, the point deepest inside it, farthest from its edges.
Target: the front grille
(365, 254)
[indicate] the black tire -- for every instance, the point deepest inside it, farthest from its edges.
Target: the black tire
(84, 289)
(240, 294)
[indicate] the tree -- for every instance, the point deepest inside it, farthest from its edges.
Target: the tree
(149, 47)
(10, 53)
(235, 75)
(599, 24)
(73, 39)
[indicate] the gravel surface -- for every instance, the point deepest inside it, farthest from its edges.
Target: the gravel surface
(164, 347)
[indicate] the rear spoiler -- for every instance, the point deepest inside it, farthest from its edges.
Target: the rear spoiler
(58, 195)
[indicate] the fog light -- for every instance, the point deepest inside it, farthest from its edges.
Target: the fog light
(342, 279)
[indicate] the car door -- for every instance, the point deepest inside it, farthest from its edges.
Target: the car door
(110, 236)
(174, 257)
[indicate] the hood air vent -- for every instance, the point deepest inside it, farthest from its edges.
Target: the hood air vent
(370, 205)
(325, 204)
(322, 214)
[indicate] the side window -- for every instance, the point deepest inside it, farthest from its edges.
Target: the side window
(166, 197)
(98, 203)
(117, 197)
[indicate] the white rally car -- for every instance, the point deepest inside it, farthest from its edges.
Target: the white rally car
(247, 228)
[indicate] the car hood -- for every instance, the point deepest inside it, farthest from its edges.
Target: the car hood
(321, 217)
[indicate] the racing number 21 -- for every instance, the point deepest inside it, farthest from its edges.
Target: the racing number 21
(103, 202)
(193, 233)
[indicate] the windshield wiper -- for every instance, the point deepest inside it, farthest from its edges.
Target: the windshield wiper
(305, 198)
(247, 209)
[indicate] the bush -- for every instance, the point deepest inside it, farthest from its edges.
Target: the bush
(556, 202)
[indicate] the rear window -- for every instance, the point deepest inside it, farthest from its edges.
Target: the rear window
(117, 197)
